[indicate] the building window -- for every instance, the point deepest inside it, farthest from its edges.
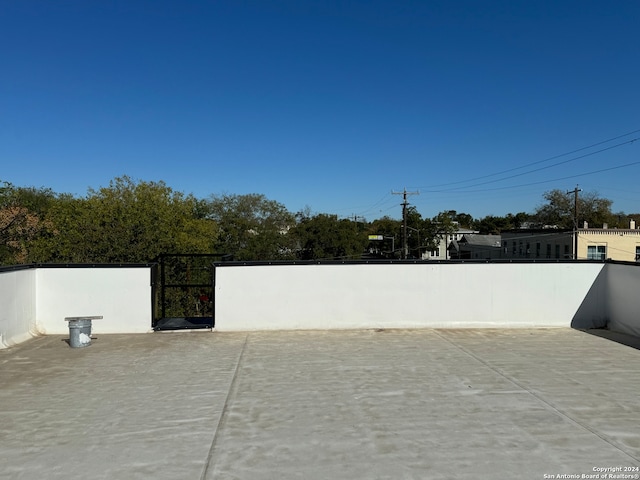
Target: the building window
(637, 253)
(567, 254)
(537, 249)
(548, 250)
(596, 252)
(557, 251)
(514, 247)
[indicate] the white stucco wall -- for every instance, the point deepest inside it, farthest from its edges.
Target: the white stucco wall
(121, 295)
(272, 297)
(448, 295)
(17, 306)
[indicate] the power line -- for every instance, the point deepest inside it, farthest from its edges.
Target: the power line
(541, 181)
(541, 168)
(467, 189)
(540, 161)
(376, 204)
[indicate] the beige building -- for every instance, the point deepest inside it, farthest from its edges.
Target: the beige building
(621, 244)
(616, 244)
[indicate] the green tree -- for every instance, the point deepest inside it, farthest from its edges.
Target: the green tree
(559, 210)
(439, 227)
(126, 222)
(493, 225)
(423, 234)
(22, 220)
(417, 232)
(252, 227)
(391, 230)
(462, 220)
(628, 217)
(325, 236)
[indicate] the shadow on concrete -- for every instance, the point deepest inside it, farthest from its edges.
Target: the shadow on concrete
(68, 341)
(622, 338)
(181, 323)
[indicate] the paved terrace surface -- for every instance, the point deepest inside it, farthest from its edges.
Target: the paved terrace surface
(394, 404)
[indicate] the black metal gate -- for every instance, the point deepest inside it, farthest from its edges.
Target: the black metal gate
(183, 291)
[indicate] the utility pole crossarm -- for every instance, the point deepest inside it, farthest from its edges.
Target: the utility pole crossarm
(404, 193)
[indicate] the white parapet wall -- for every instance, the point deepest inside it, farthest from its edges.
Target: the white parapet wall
(36, 300)
(17, 306)
(121, 295)
(400, 295)
(334, 296)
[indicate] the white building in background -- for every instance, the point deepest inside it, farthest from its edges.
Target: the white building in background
(442, 252)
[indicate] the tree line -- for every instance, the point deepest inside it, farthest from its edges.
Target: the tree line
(135, 221)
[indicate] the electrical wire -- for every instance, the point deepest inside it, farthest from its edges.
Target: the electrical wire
(577, 175)
(546, 167)
(542, 161)
(469, 189)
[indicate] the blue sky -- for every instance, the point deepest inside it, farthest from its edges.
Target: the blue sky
(325, 104)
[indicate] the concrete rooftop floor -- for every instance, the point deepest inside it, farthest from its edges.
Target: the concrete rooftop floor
(392, 404)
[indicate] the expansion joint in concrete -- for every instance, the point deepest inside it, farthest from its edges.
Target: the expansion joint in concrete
(208, 466)
(538, 397)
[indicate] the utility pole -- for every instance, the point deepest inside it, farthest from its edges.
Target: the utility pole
(404, 193)
(355, 220)
(575, 221)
